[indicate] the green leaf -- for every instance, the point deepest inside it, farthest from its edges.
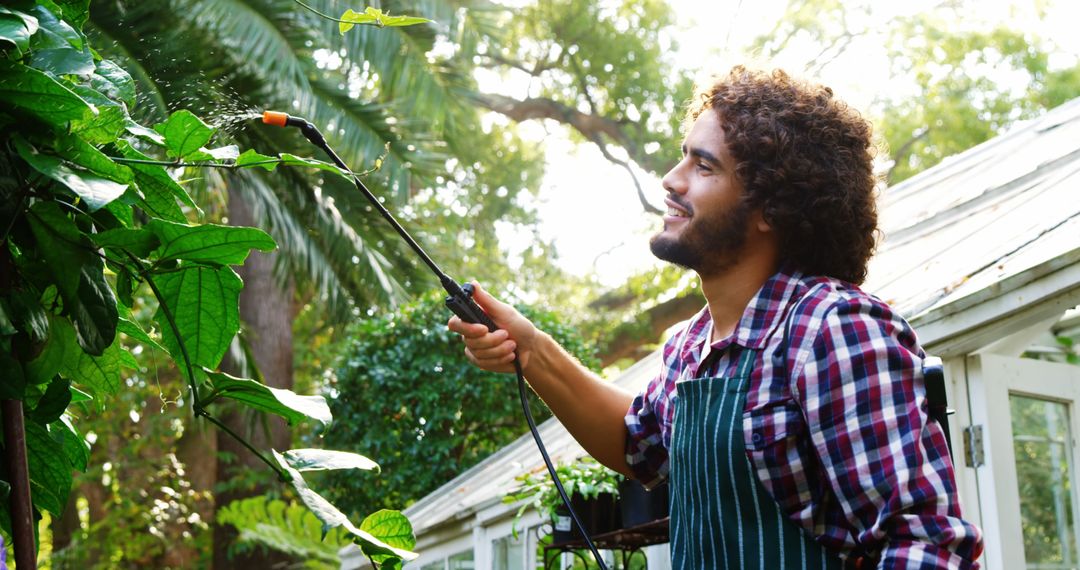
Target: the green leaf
(331, 517)
(113, 82)
(27, 314)
(50, 361)
(94, 190)
(86, 155)
(33, 92)
(50, 470)
(293, 160)
(208, 243)
(12, 381)
(133, 330)
(139, 242)
(52, 405)
(79, 276)
(15, 30)
(204, 303)
(390, 527)
(252, 158)
(184, 133)
(375, 17)
(325, 459)
(104, 127)
(100, 375)
(63, 61)
(53, 32)
(148, 135)
(229, 152)
(285, 403)
(76, 448)
(160, 192)
(75, 11)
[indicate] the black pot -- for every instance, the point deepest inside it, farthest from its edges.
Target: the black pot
(599, 514)
(563, 529)
(639, 506)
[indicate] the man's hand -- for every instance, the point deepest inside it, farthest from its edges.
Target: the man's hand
(494, 351)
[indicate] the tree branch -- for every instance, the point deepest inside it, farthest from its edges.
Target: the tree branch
(627, 338)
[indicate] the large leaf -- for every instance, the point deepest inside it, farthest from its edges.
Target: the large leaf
(184, 133)
(54, 353)
(203, 302)
(76, 448)
(63, 61)
(53, 32)
(85, 155)
(324, 459)
(160, 192)
(140, 242)
(95, 190)
(100, 375)
(390, 527)
(79, 276)
(375, 17)
(52, 403)
(109, 122)
(15, 30)
(50, 470)
(75, 11)
(208, 243)
(35, 93)
(113, 82)
(285, 403)
(331, 517)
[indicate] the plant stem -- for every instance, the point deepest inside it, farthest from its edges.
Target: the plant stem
(280, 472)
(320, 14)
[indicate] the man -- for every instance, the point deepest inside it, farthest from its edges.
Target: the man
(790, 414)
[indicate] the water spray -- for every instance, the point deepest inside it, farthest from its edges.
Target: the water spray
(459, 298)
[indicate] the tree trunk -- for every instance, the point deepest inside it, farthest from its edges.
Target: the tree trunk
(266, 317)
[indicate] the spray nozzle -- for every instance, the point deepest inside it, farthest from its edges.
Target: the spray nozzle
(279, 119)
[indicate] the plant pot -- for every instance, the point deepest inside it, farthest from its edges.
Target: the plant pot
(563, 529)
(599, 514)
(639, 506)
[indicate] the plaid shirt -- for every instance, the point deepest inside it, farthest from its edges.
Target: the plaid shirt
(841, 441)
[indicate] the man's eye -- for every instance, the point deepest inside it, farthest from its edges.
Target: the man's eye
(704, 167)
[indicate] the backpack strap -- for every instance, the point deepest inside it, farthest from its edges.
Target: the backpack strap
(937, 402)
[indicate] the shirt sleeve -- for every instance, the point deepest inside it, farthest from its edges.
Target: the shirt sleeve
(646, 450)
(864, 396)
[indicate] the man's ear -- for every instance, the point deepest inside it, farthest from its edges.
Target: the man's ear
(758, 221)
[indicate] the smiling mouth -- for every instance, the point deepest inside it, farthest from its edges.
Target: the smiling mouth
(677, 213)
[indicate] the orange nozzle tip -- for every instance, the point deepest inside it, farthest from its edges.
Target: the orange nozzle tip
(275, 118)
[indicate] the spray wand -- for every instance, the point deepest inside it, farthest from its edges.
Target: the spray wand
(459, 298)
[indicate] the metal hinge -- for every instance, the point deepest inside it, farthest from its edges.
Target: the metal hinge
(973, 446)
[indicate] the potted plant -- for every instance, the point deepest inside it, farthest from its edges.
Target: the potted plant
(593, 490)
(639, 506)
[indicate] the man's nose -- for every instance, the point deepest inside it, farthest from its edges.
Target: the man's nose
(674, 181)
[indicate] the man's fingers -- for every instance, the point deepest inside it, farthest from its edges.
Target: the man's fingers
(473, 330)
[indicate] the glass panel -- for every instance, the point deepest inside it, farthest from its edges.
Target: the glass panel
(440, 565)
(1044, 473)
(509, 552)
(461, 561)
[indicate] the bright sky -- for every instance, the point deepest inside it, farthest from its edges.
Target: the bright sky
(590, 208)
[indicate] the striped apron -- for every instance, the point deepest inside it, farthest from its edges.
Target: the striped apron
(721, 515)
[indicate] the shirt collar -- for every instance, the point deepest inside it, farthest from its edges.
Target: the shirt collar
(764, 313)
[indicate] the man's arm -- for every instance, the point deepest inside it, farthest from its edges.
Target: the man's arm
(591, 409)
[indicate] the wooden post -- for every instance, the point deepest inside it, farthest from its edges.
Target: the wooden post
(22, 514)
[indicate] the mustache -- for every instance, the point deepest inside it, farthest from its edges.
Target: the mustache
(680, 203)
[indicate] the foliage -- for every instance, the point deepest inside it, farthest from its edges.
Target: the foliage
(88, 219)
(284, 527)
(585, 477)
(405, 394)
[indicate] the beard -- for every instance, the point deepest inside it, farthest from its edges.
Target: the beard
(706, 246)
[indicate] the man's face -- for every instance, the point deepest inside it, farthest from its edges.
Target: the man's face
(705, 225)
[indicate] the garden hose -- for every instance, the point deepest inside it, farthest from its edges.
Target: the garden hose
(459, 299)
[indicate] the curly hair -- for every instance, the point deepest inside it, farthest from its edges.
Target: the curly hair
(805, 158)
